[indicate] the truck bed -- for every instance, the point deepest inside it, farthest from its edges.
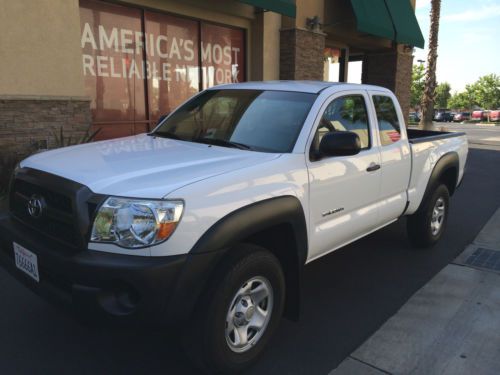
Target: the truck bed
(427, 148)
(419, 136)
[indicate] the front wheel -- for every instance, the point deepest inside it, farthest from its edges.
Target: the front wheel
(426, 226)
(238, 313)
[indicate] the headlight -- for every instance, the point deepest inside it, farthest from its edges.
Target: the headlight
(135, 223)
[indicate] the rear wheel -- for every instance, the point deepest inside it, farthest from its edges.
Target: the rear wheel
(238, 313)
(426, 226)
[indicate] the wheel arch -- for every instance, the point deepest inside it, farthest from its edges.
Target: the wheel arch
(446, 171)
(277, 224)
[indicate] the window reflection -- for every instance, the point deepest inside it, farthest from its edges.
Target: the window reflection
(387, 118)
(347, 113)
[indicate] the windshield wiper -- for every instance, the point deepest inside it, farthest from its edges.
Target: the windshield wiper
(165, 135)
(224, 143)
(209, 141)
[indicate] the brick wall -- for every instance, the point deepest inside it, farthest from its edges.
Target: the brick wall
(391, 69)
(301, 54)
(29, 122)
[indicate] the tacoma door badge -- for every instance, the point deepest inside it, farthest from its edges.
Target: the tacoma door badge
(331, 212)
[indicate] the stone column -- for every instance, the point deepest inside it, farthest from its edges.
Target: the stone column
(391, 69)
(301, 54)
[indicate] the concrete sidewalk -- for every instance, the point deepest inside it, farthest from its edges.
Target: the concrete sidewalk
(450, 326)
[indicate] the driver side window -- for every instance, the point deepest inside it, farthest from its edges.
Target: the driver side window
(347, 113)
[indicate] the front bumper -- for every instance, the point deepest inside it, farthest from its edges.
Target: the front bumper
(97, 284)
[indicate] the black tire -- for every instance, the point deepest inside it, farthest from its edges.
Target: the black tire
(419, 225)
(205, 341)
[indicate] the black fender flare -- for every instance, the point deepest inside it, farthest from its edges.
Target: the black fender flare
(445, 163)
(254, 218)
(216, 244)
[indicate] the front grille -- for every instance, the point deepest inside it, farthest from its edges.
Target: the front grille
(57, 220)
(66, 206)
(55, 200)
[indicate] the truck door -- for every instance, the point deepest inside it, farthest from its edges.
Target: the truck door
(395, 156)
(344, 190)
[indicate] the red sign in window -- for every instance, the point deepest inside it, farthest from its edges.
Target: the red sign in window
(394, 136)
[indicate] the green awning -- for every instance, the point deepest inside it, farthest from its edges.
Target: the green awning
(372, 17)
(285, 7)
(405, 22)
(391, 19)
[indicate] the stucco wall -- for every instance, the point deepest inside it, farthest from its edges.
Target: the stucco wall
(305, 9)
(265, 64)
(39, 40)
(39, 48)
(271, 46)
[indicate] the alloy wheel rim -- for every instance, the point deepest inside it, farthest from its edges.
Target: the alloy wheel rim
(249, 314)
(437, 217)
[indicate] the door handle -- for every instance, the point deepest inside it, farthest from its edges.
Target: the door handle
(373, 167)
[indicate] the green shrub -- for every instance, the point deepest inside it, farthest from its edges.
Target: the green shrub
(62, 141)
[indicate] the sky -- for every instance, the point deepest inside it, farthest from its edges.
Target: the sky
(469, 40)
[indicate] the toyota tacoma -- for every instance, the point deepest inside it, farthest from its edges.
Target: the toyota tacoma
(206, 223)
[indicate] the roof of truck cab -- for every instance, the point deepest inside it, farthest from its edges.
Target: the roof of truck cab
(313, 87)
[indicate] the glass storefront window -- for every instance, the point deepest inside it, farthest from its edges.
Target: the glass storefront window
(113, 66)
(221, 55)
(172, 61)
(139, 65)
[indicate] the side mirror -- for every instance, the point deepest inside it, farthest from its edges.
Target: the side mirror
(340, 144)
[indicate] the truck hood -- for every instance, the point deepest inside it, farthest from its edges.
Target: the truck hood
(142, 166)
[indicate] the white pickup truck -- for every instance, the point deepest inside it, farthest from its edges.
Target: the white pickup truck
(205, 224)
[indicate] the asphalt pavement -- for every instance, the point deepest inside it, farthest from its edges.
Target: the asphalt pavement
(479, 135)
(347, 296)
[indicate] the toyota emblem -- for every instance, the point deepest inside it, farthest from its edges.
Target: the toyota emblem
(35, 206)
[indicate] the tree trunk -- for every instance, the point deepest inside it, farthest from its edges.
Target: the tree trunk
(429, 94)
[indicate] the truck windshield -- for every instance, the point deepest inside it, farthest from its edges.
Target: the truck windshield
(267, 121)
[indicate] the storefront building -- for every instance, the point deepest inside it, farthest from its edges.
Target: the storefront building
(119, 66)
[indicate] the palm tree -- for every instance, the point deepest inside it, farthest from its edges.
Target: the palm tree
(430, 76)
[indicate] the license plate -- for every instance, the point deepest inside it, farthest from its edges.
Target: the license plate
(26, 261)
